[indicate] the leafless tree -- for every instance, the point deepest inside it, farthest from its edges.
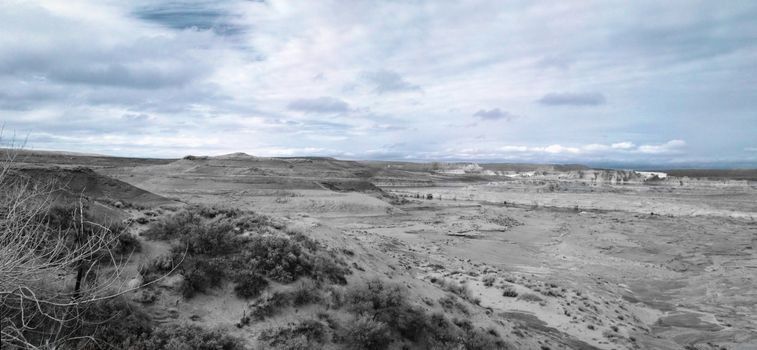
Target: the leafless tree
(49, 275)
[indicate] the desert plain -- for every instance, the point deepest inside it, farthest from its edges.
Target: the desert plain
(552, 256)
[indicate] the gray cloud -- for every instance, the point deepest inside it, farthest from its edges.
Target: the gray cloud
(388, 81)
(193, 14)
(386, 127)
(703, 31)
(118, 74)
(493, 114)
(22, 97)
(143, 65)
(572, 99)
(319, 105)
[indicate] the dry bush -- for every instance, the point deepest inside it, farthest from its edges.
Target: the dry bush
(367, 333)
(509, 292)
(459, 289)
(250, 285)
(305, 334)
(383, 315)
(530, 297)
(181, 337)
(489, 281)
(451, 303)
(57, 266)
(242, 247)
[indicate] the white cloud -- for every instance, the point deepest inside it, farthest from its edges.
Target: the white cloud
(596, 147)
(592, 151)
(514, 149)
(554, 149)
(668, 147)
(623, 145)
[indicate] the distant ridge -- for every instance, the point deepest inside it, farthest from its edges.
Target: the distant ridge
(235, 155)
(52, 152)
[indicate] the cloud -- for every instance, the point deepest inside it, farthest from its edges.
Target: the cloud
(596, 147)
(192, 14)
(250, 73)
(623, 145)
(626, 148)
(514, 149)
(79, 57)
(386, 127)
(750, 149)
(558, 62)
(384, 81)
(572, 99)
(141, 117)
(672, 146)
(20, 97)
(555, 149)
(319, 105)
(493, 114)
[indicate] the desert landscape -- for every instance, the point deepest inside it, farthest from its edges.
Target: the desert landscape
(378, 175)
(532, 256)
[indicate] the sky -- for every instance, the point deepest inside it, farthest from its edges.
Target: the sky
(665, 83)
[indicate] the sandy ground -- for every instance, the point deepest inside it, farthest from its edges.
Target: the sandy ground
(631, 266)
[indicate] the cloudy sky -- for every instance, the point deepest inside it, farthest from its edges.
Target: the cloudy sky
(598, 82)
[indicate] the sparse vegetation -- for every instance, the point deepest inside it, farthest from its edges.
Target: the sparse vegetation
(157, 267)
(306, 292)
(305, 334)
(250, 285)
(509, 292)
(530, 297)
(387, 306)
(184, 337)
(488, 281)
(381, 315)
(52, 258)
(243, 247)
(367, 333)
(451, 303)
(270, 305)
(458, 289)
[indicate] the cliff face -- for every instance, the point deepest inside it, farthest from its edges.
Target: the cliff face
(603, 177)
(629, 177)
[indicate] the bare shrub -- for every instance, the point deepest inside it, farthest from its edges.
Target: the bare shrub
(185, 337)
(489, 281)
(366, 333)
(509, 292)
(305, 334)
(230, 244)
(55, 263)
(250, 285)
(530, 297)
(459, 289)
